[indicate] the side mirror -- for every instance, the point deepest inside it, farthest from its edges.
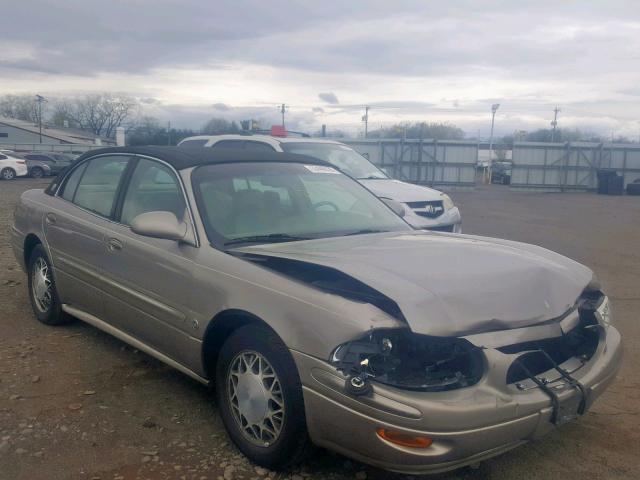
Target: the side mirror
(397, 207)
(159, 225)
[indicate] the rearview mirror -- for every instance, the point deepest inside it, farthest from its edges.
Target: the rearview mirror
(159, 225)
(397, 207)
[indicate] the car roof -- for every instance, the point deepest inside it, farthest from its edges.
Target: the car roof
(186, 157)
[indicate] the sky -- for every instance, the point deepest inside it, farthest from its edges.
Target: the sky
(189, 60)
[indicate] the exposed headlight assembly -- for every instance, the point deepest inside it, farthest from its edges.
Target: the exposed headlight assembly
(402, 359)
(603, 312)
(447, 203)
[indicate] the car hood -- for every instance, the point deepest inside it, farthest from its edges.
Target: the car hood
(449, 285)
(401, 191)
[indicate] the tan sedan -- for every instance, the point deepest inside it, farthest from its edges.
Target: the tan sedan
(318, 312)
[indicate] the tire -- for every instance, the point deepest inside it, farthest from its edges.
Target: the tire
(49, 313)
(8, 173)
(36, 172)
(292, 441)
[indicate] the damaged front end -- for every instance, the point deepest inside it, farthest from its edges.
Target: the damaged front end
(402, 359)
(531, 357)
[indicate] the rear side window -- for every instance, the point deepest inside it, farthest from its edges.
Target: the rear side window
(235, 144)
(40, 158)
(153, 187)
(3, 157)
(194, 143)
(98, 186)
(70, 186)
(258, 146)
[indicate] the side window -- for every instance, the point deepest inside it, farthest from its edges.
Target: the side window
(98, 187)
(258, 146)
(235, 144)
(70, 186)
(153, 187)
(3, 157)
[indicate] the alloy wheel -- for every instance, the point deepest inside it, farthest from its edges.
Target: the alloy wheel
(41, 285)
(8, 174)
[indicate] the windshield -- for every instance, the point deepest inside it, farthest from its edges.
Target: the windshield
(273, 202)
(343, 157)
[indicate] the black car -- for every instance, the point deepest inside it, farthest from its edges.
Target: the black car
(56, 161)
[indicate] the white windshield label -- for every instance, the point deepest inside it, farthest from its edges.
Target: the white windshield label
(321, 169)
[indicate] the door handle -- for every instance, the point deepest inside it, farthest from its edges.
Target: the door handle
(114, 245)
(50, 218)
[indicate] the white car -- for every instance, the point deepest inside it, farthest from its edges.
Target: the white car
(425, 208)
(12, 167)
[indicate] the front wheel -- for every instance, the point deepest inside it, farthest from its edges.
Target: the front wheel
(260, 397)
(8, 174)
(42, 289)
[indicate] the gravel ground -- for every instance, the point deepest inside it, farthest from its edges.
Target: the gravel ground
(77, 403)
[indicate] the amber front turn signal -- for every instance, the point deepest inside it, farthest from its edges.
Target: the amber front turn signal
(404, 439)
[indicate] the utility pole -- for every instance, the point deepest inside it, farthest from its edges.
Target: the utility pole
(40, 99)
(365, 119)
(283, 108)
(169, 132)
(554, 124)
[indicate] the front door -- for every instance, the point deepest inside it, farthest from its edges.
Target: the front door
(149, 280)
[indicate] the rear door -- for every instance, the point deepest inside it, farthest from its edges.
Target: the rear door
(74, 224)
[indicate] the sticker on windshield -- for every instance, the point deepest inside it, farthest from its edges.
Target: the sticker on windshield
(321, 169)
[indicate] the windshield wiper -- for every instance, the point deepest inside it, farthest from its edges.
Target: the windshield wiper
(372, 177)
(270, 238)
(364, 231)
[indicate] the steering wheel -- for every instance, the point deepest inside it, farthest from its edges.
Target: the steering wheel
(326, 202)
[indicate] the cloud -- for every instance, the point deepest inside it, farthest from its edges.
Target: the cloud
(329, 97)
(407, 60)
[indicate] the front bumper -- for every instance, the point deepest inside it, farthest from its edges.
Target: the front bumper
(449, 221)
(467, 425)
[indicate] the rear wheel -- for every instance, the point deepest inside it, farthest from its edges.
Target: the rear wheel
(8, 173)
(260, 397)
(42, 289)
(37, 172)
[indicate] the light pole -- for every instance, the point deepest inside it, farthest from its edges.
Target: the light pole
(365, 119)
(554, 124)
(282, 109)
(494, 109)
(40, 99)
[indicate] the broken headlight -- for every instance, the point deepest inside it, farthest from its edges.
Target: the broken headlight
(402, 359)
(603, 312)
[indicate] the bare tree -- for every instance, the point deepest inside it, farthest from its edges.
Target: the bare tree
(97, 113)
(218, 125)
(20, 107)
